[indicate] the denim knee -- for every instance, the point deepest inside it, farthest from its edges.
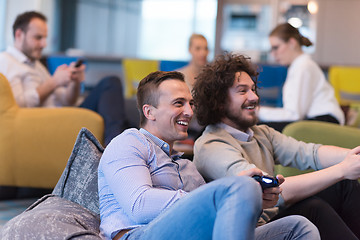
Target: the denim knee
(244, 183)
(244, 188)
(289, 227)
(301, 226)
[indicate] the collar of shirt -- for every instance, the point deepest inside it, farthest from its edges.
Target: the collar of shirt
(237, 134)
(161, 144)
(20, 56)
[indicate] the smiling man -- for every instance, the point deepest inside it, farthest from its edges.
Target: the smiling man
(227, 104)
(147, 191)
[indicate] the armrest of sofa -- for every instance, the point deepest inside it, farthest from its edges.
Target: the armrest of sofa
(39, 143)
(322, 133)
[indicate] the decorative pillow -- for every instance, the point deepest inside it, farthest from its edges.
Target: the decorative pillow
(78, 183)
(52, 217)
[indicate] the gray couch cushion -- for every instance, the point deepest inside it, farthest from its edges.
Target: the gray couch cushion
(72, 212)
(78, 183)
(52, 217)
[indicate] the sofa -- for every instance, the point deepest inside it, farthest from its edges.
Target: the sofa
(322, 133)
(72, 210)
(35, 143)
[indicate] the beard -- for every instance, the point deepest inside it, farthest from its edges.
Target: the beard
(240, 121)
(31, 52)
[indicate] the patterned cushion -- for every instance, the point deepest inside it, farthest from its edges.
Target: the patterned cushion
(72, 211)
(52, 217)
(78, 183)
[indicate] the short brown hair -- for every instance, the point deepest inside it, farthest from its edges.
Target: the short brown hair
(22, 20)
(147, 90)
(210, 91)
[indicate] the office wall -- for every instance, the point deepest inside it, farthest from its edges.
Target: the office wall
(337, 29)
(338, 32)
(114, 30)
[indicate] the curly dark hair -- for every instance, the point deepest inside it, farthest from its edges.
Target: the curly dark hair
(210, 91)
(147, 91)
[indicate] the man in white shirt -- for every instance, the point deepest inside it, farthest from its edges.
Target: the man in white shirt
(33, 86)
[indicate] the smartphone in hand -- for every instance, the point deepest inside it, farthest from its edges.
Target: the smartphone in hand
(78, 63)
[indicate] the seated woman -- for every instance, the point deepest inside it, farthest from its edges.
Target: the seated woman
(199, 51)
(198, 48)
(306, 92)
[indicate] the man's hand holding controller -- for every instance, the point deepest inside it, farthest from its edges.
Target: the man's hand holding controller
(266, 181)
(269, 185)
(270, 188)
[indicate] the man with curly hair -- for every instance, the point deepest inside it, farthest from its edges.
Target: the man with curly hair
(227, 103)
(148, 191)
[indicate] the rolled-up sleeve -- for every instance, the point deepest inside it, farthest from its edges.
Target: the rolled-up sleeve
(23, 81)
(29, 95)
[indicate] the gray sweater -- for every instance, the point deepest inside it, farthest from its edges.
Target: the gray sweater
(217, 153)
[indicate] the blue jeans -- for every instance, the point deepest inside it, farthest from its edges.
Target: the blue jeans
(227, 208)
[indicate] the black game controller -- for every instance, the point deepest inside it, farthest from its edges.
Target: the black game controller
(266, 181)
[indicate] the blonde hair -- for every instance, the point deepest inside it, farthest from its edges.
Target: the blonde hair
(195, 35)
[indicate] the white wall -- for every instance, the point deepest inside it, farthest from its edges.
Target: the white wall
(338, 32)
(108, 29)
(337, 29)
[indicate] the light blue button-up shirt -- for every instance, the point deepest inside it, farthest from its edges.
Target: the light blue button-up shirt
(138, 179)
